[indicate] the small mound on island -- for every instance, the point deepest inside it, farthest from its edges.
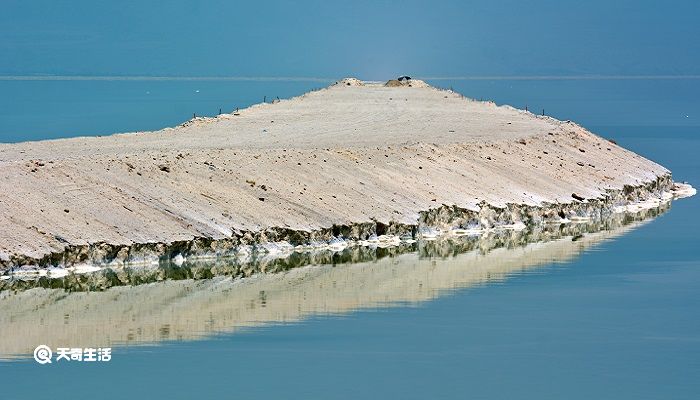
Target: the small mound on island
(406, 82)
(349, 82)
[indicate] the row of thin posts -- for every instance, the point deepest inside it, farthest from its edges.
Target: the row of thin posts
(194, 115)
(482, 99)
(528, 110)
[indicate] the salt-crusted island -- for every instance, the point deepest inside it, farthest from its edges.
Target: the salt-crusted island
(356, 163)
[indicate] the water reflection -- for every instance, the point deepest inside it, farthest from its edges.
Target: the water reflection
(195, 300)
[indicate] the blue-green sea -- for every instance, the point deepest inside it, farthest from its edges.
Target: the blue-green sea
(619, 319)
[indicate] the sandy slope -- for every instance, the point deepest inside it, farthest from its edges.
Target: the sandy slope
(348, 153)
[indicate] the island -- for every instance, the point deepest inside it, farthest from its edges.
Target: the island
(354, 164)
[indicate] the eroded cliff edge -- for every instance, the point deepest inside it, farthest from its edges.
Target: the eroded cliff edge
(353, 162)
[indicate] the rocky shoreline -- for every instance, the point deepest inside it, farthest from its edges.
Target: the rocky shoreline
(274, 250)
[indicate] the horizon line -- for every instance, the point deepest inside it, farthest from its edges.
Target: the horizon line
(158, 78)
(320, 79)
(560, 77)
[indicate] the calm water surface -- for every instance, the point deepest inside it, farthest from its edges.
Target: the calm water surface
(614, 320)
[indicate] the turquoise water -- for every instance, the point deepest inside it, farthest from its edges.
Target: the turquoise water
(619, 321)
(89, 108)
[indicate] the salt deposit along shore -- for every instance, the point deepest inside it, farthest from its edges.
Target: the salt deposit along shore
(356, 162)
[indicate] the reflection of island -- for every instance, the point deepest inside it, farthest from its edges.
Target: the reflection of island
(182, 308)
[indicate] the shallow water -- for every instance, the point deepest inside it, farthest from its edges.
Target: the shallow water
(614, 319)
